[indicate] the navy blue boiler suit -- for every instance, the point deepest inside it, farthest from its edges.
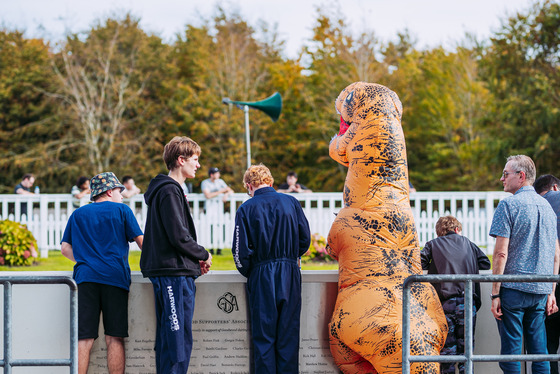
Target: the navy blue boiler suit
(271, 232)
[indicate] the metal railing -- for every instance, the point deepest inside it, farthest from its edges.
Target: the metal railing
(8, 362)
(468, 357)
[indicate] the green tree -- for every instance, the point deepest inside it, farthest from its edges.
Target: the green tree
(445, 109)
(223, 58)
(108, 82)
(336, 58)
(25, 138)
(117, 94)
(521, 67)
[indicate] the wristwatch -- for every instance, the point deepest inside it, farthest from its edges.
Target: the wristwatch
(492, 296)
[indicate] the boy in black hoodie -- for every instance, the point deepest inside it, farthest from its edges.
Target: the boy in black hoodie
(171, 257)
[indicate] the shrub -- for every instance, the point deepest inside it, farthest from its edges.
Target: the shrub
(317, 250)
(17, 244)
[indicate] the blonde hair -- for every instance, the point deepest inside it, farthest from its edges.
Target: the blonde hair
(179, 146)
(258, 175)
(446, 224)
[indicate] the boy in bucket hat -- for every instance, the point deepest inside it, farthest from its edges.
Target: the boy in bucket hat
(104, 182)
(102, 271)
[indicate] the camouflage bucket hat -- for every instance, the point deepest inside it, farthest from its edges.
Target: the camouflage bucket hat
(104, 182)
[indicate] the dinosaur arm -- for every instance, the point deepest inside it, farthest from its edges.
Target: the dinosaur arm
(337, 151)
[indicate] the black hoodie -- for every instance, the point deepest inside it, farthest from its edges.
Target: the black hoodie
(170, 247)
(454, 254)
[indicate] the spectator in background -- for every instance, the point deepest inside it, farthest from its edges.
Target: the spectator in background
(547, 186)
(452, 253)
(411, 188)
(79, 190)
(213, 187)
(524, 226)
(24, 187)
(130, 187)
(545, 183)
(291, 184)
(187, 188)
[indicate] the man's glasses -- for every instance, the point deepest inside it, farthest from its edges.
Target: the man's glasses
(506, 173)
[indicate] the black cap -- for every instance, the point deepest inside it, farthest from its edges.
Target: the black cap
(213, 170)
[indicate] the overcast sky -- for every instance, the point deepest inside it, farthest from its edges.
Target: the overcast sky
(432, 22)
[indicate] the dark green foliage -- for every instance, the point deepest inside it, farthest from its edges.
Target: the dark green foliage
(522, 70)
(27, 125)
(465, 110)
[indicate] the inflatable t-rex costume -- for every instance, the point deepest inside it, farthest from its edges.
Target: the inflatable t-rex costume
(374, 240)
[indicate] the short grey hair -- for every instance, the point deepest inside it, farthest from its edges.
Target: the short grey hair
(525, 164)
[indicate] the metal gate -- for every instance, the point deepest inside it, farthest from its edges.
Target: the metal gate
(7, 362)
(468, 357)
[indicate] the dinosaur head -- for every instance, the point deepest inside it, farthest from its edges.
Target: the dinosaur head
(373, 147)
(357, 101)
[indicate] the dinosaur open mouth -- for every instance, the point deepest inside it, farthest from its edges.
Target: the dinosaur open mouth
(343, 126)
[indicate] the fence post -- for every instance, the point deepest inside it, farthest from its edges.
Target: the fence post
(406, 326)
(43, 224)
(489, 216)
(7, 327)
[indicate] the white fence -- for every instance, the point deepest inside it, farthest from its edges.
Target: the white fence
(46, 214)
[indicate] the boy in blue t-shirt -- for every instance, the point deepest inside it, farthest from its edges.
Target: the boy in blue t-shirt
(96, 238)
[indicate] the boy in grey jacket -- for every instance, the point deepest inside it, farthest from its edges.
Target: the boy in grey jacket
(452, 253)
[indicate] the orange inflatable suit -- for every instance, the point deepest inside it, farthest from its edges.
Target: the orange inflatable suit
(374, 240)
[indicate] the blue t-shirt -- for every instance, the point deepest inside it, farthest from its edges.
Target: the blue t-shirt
(99, 234)
(529, 222)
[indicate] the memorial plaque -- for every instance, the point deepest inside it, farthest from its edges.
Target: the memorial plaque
(318, 301)
(221, 329)
(221, 336)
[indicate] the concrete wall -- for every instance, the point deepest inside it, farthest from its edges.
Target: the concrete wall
(222, 340)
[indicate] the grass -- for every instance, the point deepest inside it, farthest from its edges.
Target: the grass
(57, 262)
